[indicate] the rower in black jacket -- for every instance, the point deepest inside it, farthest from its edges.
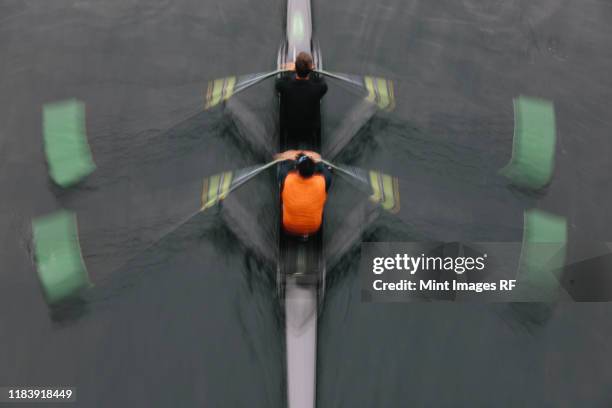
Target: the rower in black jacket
(301, 94)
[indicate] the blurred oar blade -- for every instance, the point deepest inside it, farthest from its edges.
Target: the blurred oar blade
(385, 191)
(378, 90)
(533, 144)
(69, 156)
(383, 188)
(59, 261)
(220, 90)
(216, 187)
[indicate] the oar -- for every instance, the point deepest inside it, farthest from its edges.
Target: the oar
(379, 90)
(218, 186)
(222, 89)
(384, 189)
(379, 95)
(346, 171)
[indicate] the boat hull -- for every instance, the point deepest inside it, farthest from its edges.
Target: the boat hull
(301, 265)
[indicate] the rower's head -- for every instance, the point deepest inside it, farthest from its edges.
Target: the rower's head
(303, 64)
(305, 165)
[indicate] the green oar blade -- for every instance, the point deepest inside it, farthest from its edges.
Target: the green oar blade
(68, 154)
(542, 255)
(533, 149)
(59, 262)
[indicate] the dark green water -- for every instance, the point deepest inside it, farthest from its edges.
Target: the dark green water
(192, 320)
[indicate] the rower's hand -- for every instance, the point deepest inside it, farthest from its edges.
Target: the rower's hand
(289, 66)
(288, 155)
(292, 155)
(316, 157)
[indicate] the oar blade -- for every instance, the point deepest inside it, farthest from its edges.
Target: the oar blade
(380, 92)
(219, 90)
(69, 156)
(385, 191)
(217, 187)
(59, 261)
(383, 188)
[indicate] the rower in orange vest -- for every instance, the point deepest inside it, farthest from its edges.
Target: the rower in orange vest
(304, 185)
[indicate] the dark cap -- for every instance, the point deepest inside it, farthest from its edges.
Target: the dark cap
(305, 166)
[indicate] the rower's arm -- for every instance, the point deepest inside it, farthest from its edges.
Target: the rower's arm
(287, 155)
(284, 168)
(322, 84)
(316, 157)
(281, 83)
(326, 173)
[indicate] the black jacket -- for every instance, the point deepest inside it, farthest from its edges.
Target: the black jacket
(300, 100)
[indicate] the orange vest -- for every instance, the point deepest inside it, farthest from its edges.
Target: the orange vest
(303, 201)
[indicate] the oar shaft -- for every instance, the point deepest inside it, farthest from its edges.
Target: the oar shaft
(238, 182)
(340, 77)
(358, 180)
(222, 89)
(253, 173)
(255, 80)
(340, 169)
(261, 77)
